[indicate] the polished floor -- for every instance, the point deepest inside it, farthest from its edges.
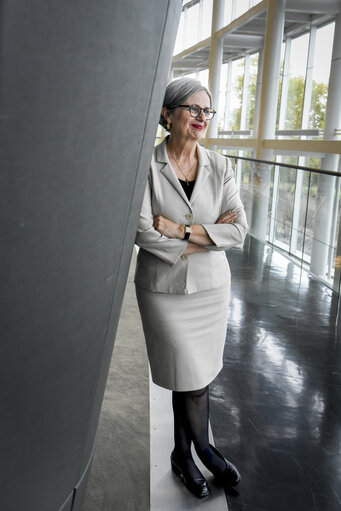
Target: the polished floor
(276, 406)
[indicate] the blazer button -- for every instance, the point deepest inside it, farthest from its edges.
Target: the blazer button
(184, 257)
(189, 215)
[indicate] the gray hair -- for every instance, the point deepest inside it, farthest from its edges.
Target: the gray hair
(178, 91)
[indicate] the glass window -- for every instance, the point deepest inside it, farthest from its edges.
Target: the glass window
(179, 42)
(206, 19)
(280, 86)
(236, 93)
(194, 26)
(230, 102)
(241, 7)
(188, 30)
(228, 12)
(321, 71)
(203, 77)
(285, 203)
(191, 25)
(222, 97)
(244, 172)
(252, 89)
(298, 64)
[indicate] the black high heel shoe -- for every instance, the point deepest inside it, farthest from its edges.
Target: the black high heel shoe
(198, 486)
(230, 476)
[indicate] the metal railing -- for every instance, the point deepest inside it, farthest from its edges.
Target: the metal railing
(278, 133)
(295, 209)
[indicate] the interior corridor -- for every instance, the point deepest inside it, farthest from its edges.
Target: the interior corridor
(275, 407)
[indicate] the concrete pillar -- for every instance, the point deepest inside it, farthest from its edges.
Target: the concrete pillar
(308, 84)
(285, 85)
(249, 206)
(326, 184)
(244, 115)
(267, 114)
(271, 75)
(258, 94)
(323, 219)
(281, 125)
(82, 84)
(216, 59)
(302, 160)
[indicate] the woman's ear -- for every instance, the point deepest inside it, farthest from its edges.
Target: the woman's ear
(165, 114)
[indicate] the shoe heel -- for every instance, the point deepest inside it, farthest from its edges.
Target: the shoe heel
(197, 486)
(231, 475)
(175, 468)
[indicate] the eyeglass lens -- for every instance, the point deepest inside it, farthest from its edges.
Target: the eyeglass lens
(195, 111)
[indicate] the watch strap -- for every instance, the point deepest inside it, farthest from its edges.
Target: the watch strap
(187, 230)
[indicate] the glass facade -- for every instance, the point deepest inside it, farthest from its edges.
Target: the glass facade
(290, 199)
(293, 209)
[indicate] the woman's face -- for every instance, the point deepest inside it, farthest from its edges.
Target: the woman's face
(184, 125)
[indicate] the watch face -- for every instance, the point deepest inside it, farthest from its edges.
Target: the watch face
(188, 229)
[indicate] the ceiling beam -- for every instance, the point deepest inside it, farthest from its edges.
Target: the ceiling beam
(314, 6)
(242, 41)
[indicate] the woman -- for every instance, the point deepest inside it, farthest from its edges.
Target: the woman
(191, 214)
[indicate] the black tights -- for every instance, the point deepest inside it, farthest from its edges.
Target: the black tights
(191, 411)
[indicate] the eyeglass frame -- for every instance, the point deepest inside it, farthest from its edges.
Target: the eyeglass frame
(195, 116)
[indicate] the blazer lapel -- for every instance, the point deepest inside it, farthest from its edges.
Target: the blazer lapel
(168, 172)
(203, 172)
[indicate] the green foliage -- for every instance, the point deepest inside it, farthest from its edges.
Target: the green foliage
(318, 105)
(295, 102)
(236, 113)
(252, 98)
(315, 162)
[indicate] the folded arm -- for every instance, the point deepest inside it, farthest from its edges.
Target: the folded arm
(227, 231)
(199, 238)
(167, 248)
(165, 238)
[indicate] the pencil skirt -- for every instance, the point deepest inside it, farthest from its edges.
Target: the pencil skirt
(185, 336)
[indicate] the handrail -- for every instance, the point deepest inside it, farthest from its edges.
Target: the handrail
(293, 132)
(287, 165)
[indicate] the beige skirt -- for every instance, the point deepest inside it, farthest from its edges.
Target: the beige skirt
(185, 336)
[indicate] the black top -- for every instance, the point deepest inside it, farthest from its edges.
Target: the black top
(188, 187)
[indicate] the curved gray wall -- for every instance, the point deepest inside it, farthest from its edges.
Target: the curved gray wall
(81, 85)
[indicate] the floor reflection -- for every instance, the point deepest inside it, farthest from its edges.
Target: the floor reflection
(276, 406)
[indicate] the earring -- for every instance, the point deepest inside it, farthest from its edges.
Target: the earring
(168, 126)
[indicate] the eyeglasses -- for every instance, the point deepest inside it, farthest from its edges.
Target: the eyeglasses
(195, 110)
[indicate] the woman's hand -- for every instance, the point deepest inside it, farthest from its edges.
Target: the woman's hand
(168, 227)
(226, 218)
(199, 236)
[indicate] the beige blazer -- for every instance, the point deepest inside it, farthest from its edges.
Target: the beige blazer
(161, 266)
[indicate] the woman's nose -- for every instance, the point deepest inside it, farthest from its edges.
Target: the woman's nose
(201, 116)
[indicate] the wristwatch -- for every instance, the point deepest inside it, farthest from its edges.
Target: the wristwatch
(187, 229)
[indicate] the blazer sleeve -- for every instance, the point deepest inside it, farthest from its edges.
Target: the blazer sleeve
(168, 249)
(226, 236)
